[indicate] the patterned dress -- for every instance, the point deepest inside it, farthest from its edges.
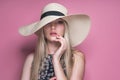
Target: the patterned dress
(47, 71)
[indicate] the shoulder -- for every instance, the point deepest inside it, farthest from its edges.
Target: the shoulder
(78, 55)
(29, 59)
(27, 67)
(30, 56)
(78, 65)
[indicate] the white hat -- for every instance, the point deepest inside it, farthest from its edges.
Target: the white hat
(79, 24)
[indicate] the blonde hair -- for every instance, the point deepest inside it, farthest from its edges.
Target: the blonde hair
(40, 53)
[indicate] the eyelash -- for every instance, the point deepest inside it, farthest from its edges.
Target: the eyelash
(60, 22)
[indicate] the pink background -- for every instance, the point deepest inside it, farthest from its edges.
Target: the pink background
(101, 47)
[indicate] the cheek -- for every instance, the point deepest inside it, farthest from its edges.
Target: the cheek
(45, 32)
(61, 30)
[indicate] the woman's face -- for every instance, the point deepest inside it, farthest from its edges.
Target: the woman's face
(52, 29)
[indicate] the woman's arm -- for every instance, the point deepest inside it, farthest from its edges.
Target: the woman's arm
(27, 67)
(58, 70)
(59, 73)
(77, 71)
(78, 67)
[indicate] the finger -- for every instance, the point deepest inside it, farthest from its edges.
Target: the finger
(58, 40)
(61, 39)
(59, 36)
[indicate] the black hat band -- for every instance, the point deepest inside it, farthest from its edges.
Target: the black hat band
(56, 13)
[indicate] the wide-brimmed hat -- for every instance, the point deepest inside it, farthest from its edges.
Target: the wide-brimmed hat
(79, 24)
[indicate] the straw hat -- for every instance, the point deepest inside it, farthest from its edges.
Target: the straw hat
(79, 24)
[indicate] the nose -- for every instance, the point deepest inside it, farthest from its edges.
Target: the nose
(53, 26)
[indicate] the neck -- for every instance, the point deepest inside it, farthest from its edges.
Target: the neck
(52, 47)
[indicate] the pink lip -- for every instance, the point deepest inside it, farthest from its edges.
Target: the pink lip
(53, 33)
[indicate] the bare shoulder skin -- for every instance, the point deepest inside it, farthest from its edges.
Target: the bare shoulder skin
(78, 67)
(27, 67)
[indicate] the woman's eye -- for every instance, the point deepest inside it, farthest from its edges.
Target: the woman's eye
(48, 24)
(60, 22)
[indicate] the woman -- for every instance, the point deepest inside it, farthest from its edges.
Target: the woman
(54, 57)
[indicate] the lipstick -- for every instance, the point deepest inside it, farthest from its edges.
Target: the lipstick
(53, 33)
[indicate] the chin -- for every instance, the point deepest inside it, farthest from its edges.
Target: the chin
(52, 39)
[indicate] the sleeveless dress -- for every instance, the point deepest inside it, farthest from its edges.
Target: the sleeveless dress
(47, 71)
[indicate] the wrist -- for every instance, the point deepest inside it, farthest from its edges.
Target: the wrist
(58, 55)
(55, 58)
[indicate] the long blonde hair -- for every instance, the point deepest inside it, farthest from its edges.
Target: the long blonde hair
(40, 53)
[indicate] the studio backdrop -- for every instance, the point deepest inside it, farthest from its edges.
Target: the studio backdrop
(101, 48)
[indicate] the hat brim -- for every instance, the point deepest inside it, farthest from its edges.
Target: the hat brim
(79, 26)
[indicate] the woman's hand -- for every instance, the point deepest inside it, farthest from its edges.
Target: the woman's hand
(53, 78)
(62, 48)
